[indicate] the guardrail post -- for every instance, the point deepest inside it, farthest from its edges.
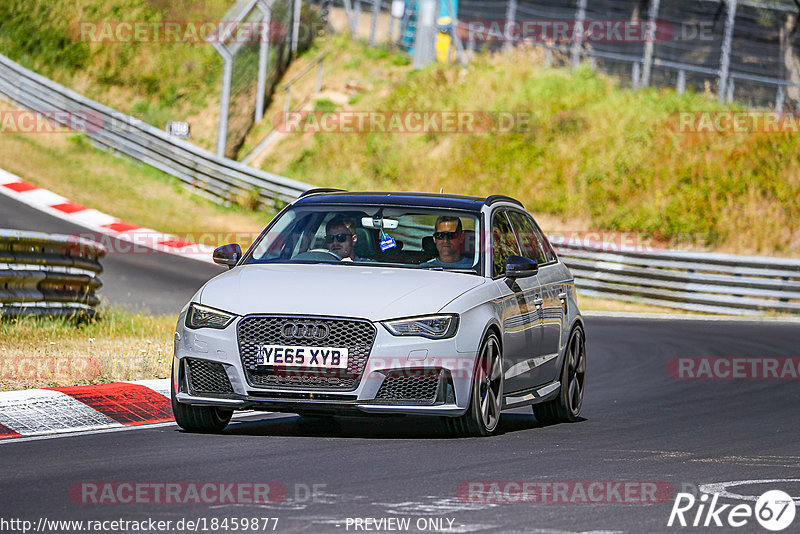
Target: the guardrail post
(318, 87)
(649, 45)
(286, 105)
(681, 84)
(577, 33)
(635, 75)
(779, 98)
(725, 60)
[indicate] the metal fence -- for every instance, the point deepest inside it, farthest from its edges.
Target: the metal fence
(743, 50)
(217, 177)
(48, 274)
(697, 281)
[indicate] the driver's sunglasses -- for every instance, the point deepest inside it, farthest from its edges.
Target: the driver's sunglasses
(440, 236)
(341, 238)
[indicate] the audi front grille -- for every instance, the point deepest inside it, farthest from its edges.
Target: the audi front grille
(355, 335)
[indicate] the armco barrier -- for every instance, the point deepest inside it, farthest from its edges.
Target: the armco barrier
(221, 178)
(698, 281)
(703, 282)
(46, 274)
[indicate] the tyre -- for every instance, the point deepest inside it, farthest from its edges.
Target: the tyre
(199, 418)
(566, 407)
(486, 400)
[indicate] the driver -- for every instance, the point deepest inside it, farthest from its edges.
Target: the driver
(340, 237)
(449, 238)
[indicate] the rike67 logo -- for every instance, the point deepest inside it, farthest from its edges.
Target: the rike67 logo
(774, 510)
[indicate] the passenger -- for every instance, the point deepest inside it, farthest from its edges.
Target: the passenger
(341, 237)
(449, 239)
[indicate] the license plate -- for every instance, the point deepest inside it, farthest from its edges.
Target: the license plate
(307, 357)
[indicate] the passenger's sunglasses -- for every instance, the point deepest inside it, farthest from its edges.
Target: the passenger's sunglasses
(341, 238)
(440, 236)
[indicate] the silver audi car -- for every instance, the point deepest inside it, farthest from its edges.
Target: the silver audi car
(385, 303)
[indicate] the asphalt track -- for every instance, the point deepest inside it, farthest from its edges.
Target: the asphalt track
(639, 424)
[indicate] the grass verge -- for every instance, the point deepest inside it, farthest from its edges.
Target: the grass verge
(118, 345)
(137, 193)
(608, 157)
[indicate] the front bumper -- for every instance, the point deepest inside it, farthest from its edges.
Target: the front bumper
(397, 366)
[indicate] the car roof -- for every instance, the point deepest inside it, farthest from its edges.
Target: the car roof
(433, 200)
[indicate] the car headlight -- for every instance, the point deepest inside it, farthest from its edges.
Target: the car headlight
(430, 326)
(204, 317)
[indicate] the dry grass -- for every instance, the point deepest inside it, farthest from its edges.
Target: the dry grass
(596, 156)
(70, 166)
(45, 352)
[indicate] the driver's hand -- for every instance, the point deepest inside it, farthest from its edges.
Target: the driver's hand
(347, 258)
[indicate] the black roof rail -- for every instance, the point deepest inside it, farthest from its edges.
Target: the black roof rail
(317, 190)
(502, 198)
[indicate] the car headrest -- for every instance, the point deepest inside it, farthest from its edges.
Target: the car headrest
(362, 247)
(428, 245)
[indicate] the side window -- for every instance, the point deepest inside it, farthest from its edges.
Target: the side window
(549, 254)
(504, 243)
(527, 236)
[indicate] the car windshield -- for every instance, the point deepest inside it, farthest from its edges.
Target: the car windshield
(400, 236)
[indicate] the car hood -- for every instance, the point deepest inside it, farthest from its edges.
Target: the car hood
(374, 293)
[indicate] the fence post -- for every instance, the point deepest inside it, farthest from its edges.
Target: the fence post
(296, 26)
(511, 15)
(348, 9)
(224, 102)
(681, 85)
(725, 60)
(424, 52)
(649, 44)
(779, 98)
(263, 55)
(577, 33)
(454, 38)
(376, 7)
(636, 76)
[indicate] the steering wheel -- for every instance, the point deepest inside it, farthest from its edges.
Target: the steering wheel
(318, 254)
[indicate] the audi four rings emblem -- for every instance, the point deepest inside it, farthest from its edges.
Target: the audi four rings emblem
(304, 331)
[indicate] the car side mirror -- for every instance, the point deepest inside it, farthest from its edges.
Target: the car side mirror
(520, 267)
(228, 255)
